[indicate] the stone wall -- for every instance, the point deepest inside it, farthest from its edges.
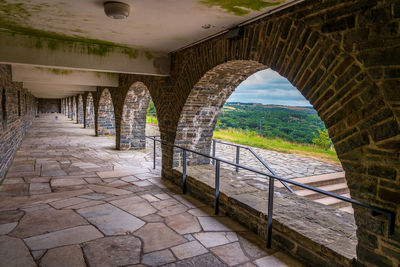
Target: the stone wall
(343, 56)
(89, 110)
(16, 115)
(46, 105)
(79, 110)
(105, 117)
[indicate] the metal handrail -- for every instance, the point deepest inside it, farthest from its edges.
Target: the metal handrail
(255, 155)
(375, 210)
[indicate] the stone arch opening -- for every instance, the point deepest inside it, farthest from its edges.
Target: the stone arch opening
(80, 110)
(200, 112)
(89, 118)
(133, 120)
(105, 115)
(73, 115)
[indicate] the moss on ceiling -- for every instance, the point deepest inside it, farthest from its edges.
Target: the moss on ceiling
(13, 17)
(240, 7)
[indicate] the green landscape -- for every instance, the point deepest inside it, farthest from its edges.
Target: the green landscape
(285, 129)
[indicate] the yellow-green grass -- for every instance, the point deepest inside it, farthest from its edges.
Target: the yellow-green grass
(251, 138)
(151, 119)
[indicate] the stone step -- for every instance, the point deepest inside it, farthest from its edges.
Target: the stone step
(348, 209)
(334, 202)
(340, 188)
(318, 180)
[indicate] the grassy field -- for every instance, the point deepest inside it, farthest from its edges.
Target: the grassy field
(250, 138)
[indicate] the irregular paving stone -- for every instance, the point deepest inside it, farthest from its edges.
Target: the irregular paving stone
(119, 192)
(46, 220)
(134, 205)
(67, 202)
(89, 203)
(10, 216)
(13, 181)
(111, 174)
(219, 224)
(7, 227)
(231, 254)
(278, 259)
(202, 260)
(183, 223)
(120, 250)
(188, 250)
(152, 218)
(252, 245)
(63, 257)
(14, 189)
(165, 203)
(13, 252)
(95, 196)
(158, 258)
(53, 173)
(150, 198)
(70, 236)
(39, 188)
(213, 239)
(37, 254)
(111, 220)
(142, 183)
(172, 210)
(66, 182)
(157, 236)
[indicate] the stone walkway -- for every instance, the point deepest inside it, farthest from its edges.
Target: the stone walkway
(70, 199)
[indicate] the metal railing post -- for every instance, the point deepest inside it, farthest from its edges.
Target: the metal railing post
(213, 151)
(217, 174)
(184, 171)
(154, 152)
(270, 211)
(237, 157)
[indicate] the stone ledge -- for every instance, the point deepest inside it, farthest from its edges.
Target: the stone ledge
(315, 233)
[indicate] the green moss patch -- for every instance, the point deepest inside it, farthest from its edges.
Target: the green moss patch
(240, 7)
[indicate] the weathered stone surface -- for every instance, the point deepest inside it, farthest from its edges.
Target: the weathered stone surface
(70, 236)
(67, 182)
(231, 254)
(183, 223)
(7, 227)
(202, 260)
(13, 252)
(63, 257)
(39, 188)
(213, 239)
(158, 258)
(188, 250)
(10, 216)
(120, 250)
(157, 236)
(111, 220)
(172, 210)
(46, 220)
(67, 202)
(135, 205)
(112, 174)
(278, 259)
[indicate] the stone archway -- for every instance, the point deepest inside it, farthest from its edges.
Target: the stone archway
(133, 120)
(79, 117)
(357, 105)
(200, 112)
(89, 112)
(105, 115)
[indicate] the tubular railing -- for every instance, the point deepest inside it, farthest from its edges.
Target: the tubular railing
(238, 147)
(374, 210)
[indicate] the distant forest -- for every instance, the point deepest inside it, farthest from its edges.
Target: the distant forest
(295, 124)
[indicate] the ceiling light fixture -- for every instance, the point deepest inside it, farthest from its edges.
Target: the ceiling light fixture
(116, 10)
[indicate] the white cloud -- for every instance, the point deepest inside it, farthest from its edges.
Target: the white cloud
(268, 87)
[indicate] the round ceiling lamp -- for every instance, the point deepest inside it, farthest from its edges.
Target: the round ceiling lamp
(116, 10)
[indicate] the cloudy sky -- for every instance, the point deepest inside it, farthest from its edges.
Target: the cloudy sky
(268, 87)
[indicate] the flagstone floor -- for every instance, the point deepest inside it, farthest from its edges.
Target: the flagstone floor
(71, 199)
